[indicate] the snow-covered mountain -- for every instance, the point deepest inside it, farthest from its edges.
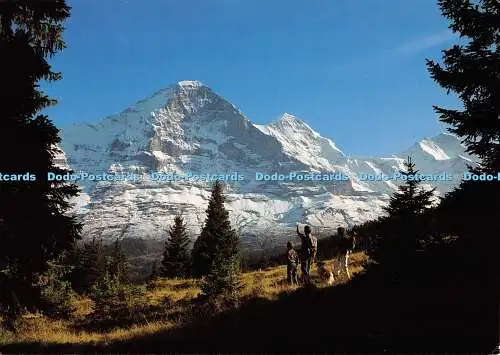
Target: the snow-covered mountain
(189, 130)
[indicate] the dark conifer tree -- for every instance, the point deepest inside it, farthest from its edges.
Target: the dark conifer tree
(410, 199)
(470, 213)
(34, 226)
(223, 281)
(215, 254)
(472, 71)
(400, 233)
(117, 264)
(176, 259)
(90, 267)
(216, 228)
(58, 296)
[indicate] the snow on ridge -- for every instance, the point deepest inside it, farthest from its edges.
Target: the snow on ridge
(262, 128)
(289, 120)
(440, 147)
(302, 142)
(328, 144)
(433, 149)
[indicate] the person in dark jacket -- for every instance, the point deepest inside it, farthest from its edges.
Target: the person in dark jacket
(292, 264)
(307, 251)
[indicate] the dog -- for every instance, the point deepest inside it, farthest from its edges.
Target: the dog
(325, 273)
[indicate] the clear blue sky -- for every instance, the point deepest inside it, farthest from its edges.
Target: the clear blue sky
(352, 69)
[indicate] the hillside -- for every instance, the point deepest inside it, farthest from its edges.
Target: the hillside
(365, 315)
(168, 306)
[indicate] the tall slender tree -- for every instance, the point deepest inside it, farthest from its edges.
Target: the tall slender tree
(215, 253)
(401, 233)
(90, 266)
(410, 199)
(217, 236)
(471, 70)
(117, 263)
(34, 225)
(176, 259)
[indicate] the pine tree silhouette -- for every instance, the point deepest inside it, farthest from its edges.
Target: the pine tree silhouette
(472, 71)
(215, 252)
(217, 221)
(34, 227)
(90, 267)
(410, 199)
(401, 232)
(118, 264)
(176, 258)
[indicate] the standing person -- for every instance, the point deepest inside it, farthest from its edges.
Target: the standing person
(313, 244)
(338, 246)
(292, 263)
(350, 244)
(307, 251)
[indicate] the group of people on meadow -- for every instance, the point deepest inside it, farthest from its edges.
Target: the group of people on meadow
(343, 245)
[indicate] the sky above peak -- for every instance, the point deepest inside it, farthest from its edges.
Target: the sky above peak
(352, 70)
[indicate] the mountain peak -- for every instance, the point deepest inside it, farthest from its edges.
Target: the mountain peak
(288, 117)
(444, 146)
(190, 84)
(288, 122)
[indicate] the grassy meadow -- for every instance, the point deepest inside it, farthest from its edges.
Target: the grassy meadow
(167, 304)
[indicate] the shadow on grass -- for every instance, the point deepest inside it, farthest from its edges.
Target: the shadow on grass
(365, 315)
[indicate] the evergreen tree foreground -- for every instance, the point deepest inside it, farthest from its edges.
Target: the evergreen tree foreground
(34, 226)
(90, 266)
(117, 264)
(215, 252)
(402, 234)
(471, 70)
(176, 258)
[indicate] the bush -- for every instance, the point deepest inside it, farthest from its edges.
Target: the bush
(57, 295)
(117, 303)
(59, 299)
(224, 280)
